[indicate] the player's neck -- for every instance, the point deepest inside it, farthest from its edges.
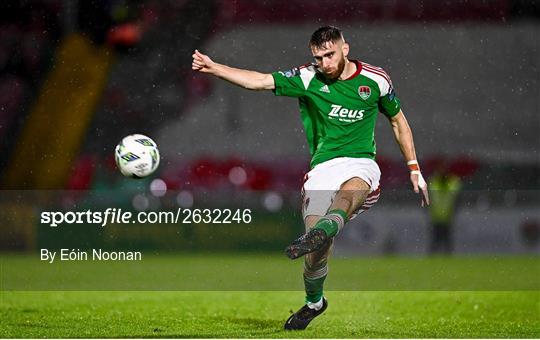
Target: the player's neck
(348, 70)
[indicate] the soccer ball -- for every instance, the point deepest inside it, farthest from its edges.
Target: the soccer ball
(136, 156)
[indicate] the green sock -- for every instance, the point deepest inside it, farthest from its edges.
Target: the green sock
(333, 221)
(314, 289)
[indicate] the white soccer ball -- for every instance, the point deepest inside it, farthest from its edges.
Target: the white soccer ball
(137, 156)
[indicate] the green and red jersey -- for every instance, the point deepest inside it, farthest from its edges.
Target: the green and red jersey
(339, 116)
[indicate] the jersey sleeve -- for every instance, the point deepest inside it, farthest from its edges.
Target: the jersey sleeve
(293, 83)
(389, 104)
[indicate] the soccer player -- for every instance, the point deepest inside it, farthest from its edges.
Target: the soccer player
(339, 99)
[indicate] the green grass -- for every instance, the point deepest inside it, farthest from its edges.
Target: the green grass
(261, 314)
(270, 272)
(251, 295)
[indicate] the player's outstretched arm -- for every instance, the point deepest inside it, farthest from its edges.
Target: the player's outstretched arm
(250, 80)
(404, 137)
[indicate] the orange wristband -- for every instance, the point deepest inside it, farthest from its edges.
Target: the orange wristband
(413, 165)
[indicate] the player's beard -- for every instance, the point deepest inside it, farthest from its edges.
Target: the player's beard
(339, 70)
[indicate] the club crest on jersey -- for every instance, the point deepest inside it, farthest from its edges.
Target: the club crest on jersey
(364, 92)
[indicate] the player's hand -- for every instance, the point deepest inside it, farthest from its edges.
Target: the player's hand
(419, 184)
(201, 62)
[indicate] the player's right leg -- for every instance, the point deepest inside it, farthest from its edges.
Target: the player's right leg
(348, 200)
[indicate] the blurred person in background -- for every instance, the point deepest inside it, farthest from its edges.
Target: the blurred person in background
(339, 102)
(444, 191)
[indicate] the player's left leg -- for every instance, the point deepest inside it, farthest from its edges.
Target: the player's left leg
(347, 201)
(315, 271)
(316, 267)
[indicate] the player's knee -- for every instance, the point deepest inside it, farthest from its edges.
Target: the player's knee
(354, 184)
(354, 191)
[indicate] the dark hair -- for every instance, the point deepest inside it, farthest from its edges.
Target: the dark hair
(325, 34)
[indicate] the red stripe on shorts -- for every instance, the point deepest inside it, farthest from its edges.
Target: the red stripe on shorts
(371, 199)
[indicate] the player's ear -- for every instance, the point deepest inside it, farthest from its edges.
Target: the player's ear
(345, 49)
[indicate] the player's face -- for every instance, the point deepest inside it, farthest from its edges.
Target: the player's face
(330, 58)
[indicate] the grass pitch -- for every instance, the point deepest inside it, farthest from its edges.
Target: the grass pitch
(243, 296)
(261, 314)
(270, 272)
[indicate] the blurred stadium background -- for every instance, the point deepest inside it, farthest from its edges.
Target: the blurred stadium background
(77, 76)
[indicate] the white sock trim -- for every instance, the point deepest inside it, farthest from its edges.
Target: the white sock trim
(315, 305)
